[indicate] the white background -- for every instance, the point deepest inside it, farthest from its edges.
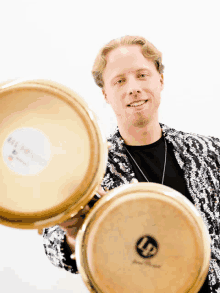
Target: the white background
(59, 40)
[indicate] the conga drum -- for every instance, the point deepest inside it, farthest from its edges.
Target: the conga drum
(53, 153)
(143, 237)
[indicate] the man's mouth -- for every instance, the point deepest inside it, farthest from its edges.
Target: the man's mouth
(136, 104)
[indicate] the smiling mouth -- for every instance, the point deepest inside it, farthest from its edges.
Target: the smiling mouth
(136, 104)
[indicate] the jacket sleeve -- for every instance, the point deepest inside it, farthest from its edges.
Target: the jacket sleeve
(54, 238)
(214, 149)
(57, 250)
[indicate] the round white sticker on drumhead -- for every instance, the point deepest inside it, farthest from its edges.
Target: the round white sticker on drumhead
(26, 151)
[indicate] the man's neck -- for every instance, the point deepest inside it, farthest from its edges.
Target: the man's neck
(141, 136)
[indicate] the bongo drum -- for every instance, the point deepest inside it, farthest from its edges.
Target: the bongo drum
(143, 237)
(53, 153)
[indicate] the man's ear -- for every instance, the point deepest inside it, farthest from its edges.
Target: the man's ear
(105, 96)
(162, 80)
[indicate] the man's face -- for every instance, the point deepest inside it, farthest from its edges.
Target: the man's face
(132, 86)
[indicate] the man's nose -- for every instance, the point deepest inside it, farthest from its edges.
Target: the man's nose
(133, 87)
(134, 92)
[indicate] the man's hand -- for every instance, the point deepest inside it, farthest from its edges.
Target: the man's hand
(71, 226)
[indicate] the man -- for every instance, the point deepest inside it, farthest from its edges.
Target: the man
(130, 73)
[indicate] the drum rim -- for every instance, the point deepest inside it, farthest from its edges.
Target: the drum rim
(98, 146)
(189, 208)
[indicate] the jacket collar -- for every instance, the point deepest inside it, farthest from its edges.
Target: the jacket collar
(180, 141)
(170, 134)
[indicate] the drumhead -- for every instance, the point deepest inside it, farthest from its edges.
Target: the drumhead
(143, 237)
(53, 153)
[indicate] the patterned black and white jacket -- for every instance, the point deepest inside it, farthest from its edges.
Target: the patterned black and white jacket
(199, 158)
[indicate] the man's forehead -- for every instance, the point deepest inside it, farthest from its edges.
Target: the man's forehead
(122, 52)
(127, 65)
(125, 59)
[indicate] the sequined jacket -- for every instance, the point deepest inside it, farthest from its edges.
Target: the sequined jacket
(199, 158)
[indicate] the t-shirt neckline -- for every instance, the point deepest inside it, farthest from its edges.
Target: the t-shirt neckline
(148, 146)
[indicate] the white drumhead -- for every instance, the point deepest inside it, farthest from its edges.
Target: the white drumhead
(50, 151)
(143, 238)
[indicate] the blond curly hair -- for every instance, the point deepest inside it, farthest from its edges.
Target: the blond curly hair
(149, 51)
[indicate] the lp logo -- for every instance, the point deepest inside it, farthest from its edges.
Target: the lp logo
(147, 246)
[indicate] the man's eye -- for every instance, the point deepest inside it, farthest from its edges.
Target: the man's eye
(120, 81)
(142, 75)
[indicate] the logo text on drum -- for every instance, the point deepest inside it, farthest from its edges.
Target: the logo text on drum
(21, 149)
(147, 246)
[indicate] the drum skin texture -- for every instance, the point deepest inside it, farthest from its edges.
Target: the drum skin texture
(53, 153)
(143, 237)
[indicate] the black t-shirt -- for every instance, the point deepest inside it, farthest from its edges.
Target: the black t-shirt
(150, 159)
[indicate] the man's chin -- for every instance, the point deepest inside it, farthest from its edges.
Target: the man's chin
(140, 122)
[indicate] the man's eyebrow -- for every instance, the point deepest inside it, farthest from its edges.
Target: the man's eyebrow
(143, 69)
(138, 70)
